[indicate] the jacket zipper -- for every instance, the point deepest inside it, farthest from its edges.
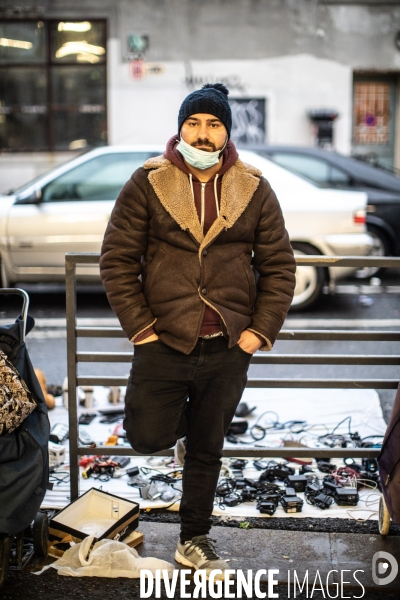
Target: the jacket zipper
(217, 311)
(203, 188)
(203, 199)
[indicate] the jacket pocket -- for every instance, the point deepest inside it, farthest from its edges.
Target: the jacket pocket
(238, 347)
(152, 269)
(250, 280)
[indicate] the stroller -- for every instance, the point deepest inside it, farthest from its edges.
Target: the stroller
(24, 461)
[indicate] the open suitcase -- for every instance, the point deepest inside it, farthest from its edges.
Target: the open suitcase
(24, 462)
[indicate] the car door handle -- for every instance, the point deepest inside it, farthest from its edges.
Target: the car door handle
(26, 244)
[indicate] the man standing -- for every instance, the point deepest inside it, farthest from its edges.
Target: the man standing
(191, 223)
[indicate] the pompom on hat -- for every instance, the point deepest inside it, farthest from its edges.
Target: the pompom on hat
(212, 99)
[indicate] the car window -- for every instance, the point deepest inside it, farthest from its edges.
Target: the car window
(100, 178)
(315, 169)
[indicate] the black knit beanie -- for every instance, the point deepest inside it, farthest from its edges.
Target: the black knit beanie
(211, 99)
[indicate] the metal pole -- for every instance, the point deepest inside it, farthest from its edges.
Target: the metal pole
(70, 285)
(25, 305)
(73, 357)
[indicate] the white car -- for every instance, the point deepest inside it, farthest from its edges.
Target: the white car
(67, 210)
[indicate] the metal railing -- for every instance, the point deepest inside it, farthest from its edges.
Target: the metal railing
(74, 357)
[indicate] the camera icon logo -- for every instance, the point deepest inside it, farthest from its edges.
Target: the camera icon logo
(384, 568)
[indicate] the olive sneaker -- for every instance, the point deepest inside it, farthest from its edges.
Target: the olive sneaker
(199, 553)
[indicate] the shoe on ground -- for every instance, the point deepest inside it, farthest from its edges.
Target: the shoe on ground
(180, 451)
(199, 553)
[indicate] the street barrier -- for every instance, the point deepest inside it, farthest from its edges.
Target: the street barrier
(74, 357)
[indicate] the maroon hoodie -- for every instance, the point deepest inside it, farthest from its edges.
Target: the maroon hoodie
(211, 319)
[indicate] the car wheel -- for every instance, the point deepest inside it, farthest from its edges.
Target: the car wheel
(309, 280)
(381, 247)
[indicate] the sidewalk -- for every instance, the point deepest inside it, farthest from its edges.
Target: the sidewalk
(286, 551)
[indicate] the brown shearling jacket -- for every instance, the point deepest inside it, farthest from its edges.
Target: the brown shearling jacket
(154, 232)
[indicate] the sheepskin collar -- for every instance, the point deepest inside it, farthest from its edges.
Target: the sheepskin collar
(172, 186)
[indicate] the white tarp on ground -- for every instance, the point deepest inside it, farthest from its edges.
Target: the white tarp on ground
(322, 409)
(106, 558)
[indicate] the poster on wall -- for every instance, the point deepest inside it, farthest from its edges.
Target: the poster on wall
(248, 120)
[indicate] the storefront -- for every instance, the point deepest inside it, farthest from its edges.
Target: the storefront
(105, 72)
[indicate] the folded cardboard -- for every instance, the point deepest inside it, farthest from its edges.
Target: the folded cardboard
(96, 513)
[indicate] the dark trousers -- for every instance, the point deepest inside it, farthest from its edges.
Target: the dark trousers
(171, 395)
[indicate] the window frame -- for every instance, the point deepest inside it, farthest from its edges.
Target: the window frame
(130, 156)
(47, 66)
(330, 166)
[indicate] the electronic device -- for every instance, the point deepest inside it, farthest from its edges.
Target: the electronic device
(240, 483)
(312, 487)
(251, 482)
(306, 469)
(237, 473)
(60, 431)
(330, 484)
(138, 482)
(232, 500)
(56, 454)
(84, 436)
(133, 471)
(122, 461)
(247, 494)
(280, 472)
(370, 464)
(298, 482)
(86, 418)
(225, 487)
(268, 486)
(266, 507)
(237, 427)
(243, 410)
(321, 500)
(289, 491)
(270, 497)
(346, 496)
(261, 464)
(238, 463)
(292, 504)
(109, 419)
(325, 466)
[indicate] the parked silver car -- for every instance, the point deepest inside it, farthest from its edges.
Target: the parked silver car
(67, 210)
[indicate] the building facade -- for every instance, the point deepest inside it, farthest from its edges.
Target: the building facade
(86, 73)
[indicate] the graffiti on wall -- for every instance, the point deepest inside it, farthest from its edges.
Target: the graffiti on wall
(248, 120)
(194, 81)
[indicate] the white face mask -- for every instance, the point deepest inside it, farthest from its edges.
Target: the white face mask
(200, 159)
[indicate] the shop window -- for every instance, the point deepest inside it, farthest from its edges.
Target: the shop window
(52, 85)
(371, 112)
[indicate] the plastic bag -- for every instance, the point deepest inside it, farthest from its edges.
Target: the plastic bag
(107, 558)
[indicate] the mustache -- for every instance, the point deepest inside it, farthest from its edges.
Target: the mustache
(206, 142)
